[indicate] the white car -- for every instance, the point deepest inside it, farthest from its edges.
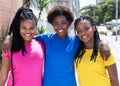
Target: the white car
(102, 29)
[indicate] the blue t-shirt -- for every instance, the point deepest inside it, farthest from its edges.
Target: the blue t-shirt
(59, 60)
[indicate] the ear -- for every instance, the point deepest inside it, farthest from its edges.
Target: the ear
(94, 27)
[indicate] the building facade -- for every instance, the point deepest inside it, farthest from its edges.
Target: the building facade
(8, 9)
(64, 2)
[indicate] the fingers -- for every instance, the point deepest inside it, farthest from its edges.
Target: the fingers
(102, 53)
(5, 48)
(104, 50)
(105, 53)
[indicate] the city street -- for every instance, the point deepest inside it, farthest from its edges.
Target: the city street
(115, 45)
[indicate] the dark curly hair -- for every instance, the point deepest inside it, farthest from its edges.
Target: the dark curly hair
(81, 48)
(60, 10)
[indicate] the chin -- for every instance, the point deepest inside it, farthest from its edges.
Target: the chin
(85, 41)
(27, 41)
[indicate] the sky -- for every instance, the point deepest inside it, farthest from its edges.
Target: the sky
(87, 2)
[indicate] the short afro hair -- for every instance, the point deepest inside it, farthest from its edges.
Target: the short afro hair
(60, 10)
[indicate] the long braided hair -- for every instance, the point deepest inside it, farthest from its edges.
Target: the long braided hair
(81, 48)
(17, 41)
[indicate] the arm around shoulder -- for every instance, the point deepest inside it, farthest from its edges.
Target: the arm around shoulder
(104, 50)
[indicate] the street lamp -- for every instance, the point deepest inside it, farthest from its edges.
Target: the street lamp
(116, 17)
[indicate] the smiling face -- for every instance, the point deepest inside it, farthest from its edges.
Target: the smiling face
(85, 32)
(27, 30)
(61, 25)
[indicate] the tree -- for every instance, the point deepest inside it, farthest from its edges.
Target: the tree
(26, 3)
(41, 30)
(102, 12)
(40, 5)
(91, 10)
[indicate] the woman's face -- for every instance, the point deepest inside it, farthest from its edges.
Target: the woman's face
(85, 31)
(27, 30)
(61, 25)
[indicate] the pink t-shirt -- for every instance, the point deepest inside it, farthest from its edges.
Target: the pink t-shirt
(28, 69)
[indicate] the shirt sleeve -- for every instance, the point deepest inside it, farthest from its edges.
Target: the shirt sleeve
(40, 37)
(110, 61)
(6, 55)
(43, 37)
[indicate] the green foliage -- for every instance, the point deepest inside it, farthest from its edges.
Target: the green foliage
(40, 5)
(41, 30)
(26, 3)
(101, 12)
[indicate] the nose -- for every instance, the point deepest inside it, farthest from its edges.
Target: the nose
(81, 31)
(27, 30)
(59, 26)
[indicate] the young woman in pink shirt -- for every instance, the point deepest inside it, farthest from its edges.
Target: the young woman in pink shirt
(23, 64)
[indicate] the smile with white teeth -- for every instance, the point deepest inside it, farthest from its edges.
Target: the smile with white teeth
(84, 37)
(27, 35)
(60, 31)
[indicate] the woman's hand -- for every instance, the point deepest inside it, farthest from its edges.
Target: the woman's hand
(104, 50)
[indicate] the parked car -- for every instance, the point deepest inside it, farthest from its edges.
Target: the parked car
(102, 29)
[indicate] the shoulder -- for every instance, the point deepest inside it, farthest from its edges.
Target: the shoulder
(74, 38)
(44, 36)
(38, 43)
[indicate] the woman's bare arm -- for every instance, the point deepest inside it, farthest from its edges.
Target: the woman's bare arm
(4, 71)
(112, 71)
